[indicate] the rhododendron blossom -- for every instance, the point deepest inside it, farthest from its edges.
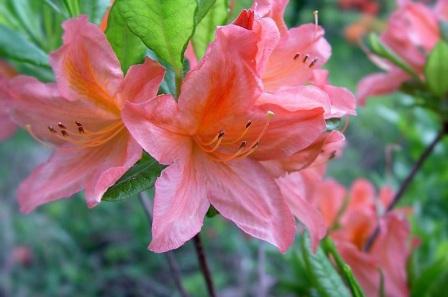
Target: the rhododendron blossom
(214, 139)
(351, 218)
(80, 115)
(412, 32)
(7, 127)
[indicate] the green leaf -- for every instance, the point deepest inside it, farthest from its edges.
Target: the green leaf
(381, 50)
(164, 26)
(205, 30)
(345, 269)
(128, 47)
(436, 69)
(324, 276)
(15, 47)
(139, 178)
(428, 277)
(203, 8)
(444, 30)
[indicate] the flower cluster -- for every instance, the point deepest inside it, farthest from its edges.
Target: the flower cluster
(251, 111)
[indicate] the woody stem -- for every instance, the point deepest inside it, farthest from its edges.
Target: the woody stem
(408, 180)
(203, 265)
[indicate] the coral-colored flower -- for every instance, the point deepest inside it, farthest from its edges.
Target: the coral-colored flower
(290, 62)
(214, 139)
(80, 115)
(7, 127)
(412, 32)
(299, 186)
(352, 217)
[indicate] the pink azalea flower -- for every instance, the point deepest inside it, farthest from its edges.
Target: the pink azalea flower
(290, 62)
(352, 217)
(7, 127)
(80, 115)
(412, 32)
(300, 186)
(213, 141)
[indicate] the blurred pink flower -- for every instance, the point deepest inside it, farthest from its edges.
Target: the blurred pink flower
(412, 32)
(214, 139)
(80, 115)
(7, 127)
(366, 6)
(351, 218)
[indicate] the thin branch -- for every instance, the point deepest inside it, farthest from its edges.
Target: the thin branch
(407, 181)
(172, 264)
(203, 265)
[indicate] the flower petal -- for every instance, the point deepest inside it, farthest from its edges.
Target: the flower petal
(37, 106)
(142, 81)
(380, 84)
(224, 84)
(243, 192)
(159, 128)
(180, 204)
(392, 248)
(118, 157)
(292, 186)
(274, 9)
(86, 67)
(291, 63)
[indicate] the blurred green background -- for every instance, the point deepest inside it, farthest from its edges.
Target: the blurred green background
(65, 249)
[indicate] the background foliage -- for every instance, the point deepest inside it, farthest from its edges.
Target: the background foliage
(65, 249)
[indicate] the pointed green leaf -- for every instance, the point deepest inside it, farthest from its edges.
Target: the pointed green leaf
(15, 47)
(324, 276)
(128, 47)
(436, 69)
(139, 178)
(205, 30)
(164, 26)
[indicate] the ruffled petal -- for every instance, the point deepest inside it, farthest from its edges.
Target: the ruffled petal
(224, 84)
(243, 192)
(288, 132)
(86, 67)
(298, 53)
(118, 157)
(274, 9)
(159, 128)
(142, 81)
(180, 204)
(292, 186)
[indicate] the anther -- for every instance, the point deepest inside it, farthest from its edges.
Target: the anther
(248, 124)
(78, 124)
(313, 63)
(305, 58)
(64, 133)
(270, 114)
(52, 129)
(60, 125)
(221, 134)
(296, 56)
(243, 144)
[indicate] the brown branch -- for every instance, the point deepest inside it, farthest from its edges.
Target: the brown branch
(203, 265)
(172, 264)
(407, 181)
